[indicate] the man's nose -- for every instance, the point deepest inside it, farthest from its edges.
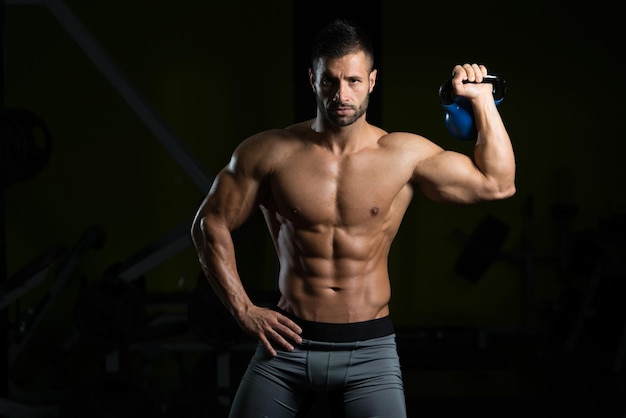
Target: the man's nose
(339, 94)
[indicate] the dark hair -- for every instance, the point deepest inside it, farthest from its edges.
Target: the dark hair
(341, 37)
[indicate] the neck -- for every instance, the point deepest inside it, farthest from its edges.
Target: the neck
(341, 139)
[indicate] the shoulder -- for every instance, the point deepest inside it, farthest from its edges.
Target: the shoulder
(264, 150)
(412, 145)
(267, 140)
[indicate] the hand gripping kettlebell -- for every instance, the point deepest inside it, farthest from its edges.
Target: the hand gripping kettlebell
(459, 117)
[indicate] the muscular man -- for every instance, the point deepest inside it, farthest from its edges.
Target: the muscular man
(333, 191)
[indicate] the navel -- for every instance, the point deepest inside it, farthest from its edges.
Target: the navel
(374, 211)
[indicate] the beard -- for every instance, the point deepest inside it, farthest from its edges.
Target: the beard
(342, 120)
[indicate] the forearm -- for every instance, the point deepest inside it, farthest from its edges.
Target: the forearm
(216, 254)
(493, 153)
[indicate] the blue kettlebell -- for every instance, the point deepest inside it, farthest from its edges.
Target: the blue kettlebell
(459, 117)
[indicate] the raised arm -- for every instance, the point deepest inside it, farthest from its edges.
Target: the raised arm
(449, 176)
(233, 197)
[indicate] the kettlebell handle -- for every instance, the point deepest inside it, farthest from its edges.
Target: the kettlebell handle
(459, 115)
(446, 92)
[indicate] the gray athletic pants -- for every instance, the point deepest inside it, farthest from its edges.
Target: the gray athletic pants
(360, 367)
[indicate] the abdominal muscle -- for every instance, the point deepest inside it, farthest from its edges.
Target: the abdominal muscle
(332, 275)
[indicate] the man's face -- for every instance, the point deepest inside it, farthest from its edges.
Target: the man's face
(342, 87)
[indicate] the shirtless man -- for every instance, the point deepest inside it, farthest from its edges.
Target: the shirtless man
(333, 191)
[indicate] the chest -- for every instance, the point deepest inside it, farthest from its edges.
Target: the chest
(318, 188)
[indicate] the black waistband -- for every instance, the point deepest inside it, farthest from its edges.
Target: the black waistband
(344, 332)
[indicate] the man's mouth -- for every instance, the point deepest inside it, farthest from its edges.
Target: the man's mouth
(341, 110)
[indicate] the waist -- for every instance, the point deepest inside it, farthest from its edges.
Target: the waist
(342, 332)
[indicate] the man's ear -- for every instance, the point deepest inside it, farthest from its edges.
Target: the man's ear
(373, 79)
(312, 80)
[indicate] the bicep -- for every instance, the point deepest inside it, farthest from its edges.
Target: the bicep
(449, 177)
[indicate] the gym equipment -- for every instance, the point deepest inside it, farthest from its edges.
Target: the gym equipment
(459, 115)
(109, 312)
(92, 238)
(29, 403)
(30, 275)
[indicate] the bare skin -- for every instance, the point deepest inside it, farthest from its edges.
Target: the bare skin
(333, 191)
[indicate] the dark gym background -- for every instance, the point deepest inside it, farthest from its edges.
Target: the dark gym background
(117, 114)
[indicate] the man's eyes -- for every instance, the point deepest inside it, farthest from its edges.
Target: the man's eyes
(329, 81)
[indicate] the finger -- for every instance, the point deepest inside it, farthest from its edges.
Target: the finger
(267, 345)
(457, 69)
(280, 340)
(290, 328)
(469, 72)
(274, 330)
(288, 334)
(475, 74)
